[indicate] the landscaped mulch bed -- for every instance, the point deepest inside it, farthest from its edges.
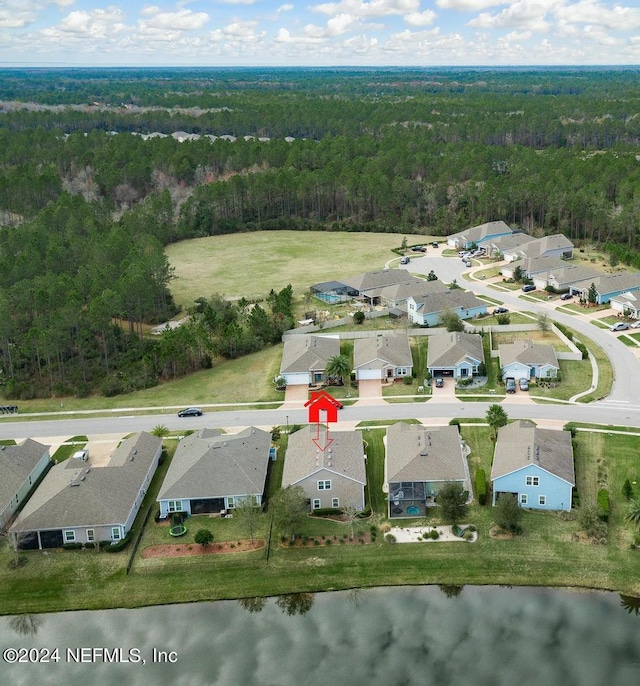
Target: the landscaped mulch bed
(184, 550)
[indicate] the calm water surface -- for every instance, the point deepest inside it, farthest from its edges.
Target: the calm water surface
(380, 637)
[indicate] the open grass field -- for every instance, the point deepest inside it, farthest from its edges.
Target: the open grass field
(251, 264)
(547, 337)
(544, 555)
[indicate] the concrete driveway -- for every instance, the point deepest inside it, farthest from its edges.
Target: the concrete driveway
(296, 395)
(369, 392)
(446, 394)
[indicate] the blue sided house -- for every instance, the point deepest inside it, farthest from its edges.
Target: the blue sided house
(535, 465)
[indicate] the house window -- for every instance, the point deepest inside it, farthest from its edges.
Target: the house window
(175, 506)
(90, 536)
(316, 503)
(324, 485)
(231, 502)
(115, 533)
(542, 500)
(69, 536)
(524, 498)
(335, 502)
(533, 481)
(401, 371)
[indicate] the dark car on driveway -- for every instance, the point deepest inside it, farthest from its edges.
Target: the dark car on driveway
(566, 296)
(418, 248)
(190, 412)
(500, 310)
(439, 382)
(510, 386)
(527, 288)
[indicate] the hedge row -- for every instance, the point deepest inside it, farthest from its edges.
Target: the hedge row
(481, 486)
(604, 507)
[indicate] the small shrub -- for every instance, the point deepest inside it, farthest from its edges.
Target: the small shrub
(233, 545)
(316, 541)
(328, 541)
(472, 527)
(627, 490)
(434, 535)
(390, 538)
(481, 486)
(604, 508)
(72, 546)
(467, 535)
(342, 540)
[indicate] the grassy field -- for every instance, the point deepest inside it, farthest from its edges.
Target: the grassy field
(544, 555)
(547, 337)
(576, 377)
(251, 264)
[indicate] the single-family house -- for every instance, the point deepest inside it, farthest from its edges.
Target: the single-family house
(535, 465)
(427, 310)
(331, 478)
(609, 286)
(78, 502)
(370, 286)
(212, 472)
(556, 245)
(455, 354)
(627, 304)
(530, 267)
(387, 356)
(478, 235)
(419, 461)
(305, 357)
(502, 244)
(524, 359)
(565, 278)
(20, 468)
(396, 296)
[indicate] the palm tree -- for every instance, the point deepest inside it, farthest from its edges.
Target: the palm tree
(633, 513)
(339, 366)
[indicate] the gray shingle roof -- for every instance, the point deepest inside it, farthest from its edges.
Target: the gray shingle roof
(621, 281)
(535, 265)
(390, 349)
(100, 496)
(573, 273)
(345, 456)
(534, 247)
(308, 353)
(521, 444)
(477, 233)
(526, 351)
(16, 463)
(449, 299)
(379, 279)
(414, 288)
(419, 453)
(507, 243)
(448, 349)
(208, 464)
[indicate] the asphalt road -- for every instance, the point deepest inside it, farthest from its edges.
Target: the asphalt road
(621, 407)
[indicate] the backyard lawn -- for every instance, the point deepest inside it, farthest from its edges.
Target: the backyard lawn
(544, 554)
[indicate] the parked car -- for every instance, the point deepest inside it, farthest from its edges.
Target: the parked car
(418, 248)
(510, 386)
(524, 385)
(405, 260)
(566, 296)
(434, 244)
(81, 455)
(439, 382)
(528, 287)
(500, 310)
(463, 253)
(467, 263)
(619, 326)
(635, 324)
(190, 412)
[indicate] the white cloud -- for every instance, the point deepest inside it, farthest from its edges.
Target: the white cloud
(592, 12)
(16, 14)
(285, 37)
(285, 8)
(518, 35)
(340, 24)
(468, 5)
(181, 20)
(80, 24)
(527, 15)
(420, 18)
(240, 32)
(375, 8)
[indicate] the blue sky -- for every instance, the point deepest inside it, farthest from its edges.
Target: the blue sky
(340, 32)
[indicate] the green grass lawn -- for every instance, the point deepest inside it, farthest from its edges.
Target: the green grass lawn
(544, 555)
(576, 377)
(274, 259)
(547, 337)
(605, 372)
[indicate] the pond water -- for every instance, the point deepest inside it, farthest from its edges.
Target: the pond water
(484, 636)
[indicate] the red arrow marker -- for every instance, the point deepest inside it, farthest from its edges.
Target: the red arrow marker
(322, 442)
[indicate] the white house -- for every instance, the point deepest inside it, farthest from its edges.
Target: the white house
(525, 359)
(387, 356)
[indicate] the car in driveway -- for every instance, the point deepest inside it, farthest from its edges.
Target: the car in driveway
(500, 310)
(439, 382)
(405, 260)
(528, 287)
(467, 263)
(524, 384)
(510, 386)
(190, 412)
(434, 244)
(619, 326)
(635, 324)
(418, 248)
(566, 296)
